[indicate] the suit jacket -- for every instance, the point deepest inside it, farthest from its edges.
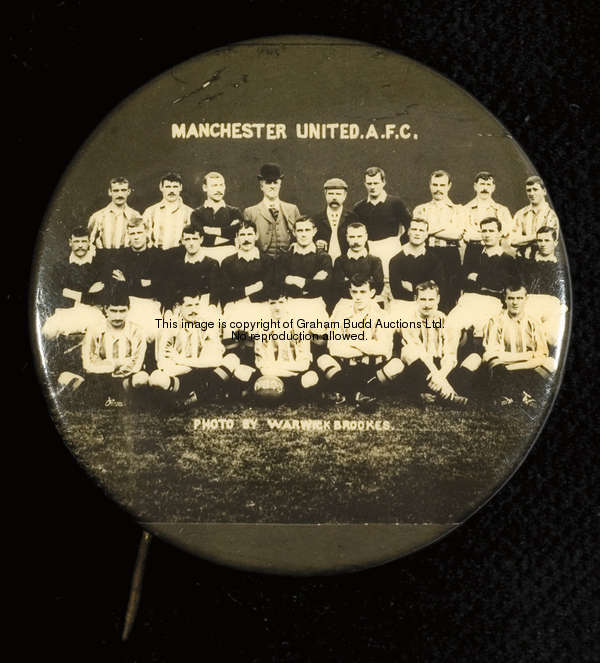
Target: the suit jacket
(324, 229)
(273, 236)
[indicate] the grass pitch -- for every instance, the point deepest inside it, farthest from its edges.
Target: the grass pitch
(434, 465)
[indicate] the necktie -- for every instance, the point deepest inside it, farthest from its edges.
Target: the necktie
(274, 213)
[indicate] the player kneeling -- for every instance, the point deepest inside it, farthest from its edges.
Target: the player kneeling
(516, 352)
(112, 355)
(358, 359)
(283, 356)
(190, 355)
(428, 352)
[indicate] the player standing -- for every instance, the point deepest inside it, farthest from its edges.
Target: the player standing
(166, 219)
(483, 206)
(528, 220)
(385, 217)
(446, 227)
(107, 227)
(219, 221)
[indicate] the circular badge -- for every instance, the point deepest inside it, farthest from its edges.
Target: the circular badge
(301, 305)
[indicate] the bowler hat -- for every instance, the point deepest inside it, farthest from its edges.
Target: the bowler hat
(270, 172)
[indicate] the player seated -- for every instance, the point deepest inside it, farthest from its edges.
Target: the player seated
(352, 362)
(72, 300)
(245, 278)
(112, 354)
(428, 352)
(545, 281)
(485, 272)
(190, 357)
(305, 277)
(283, 352)
(516, 352)
(73, 289)
(357, 261)
(140, 267)
(412, 265)
(189, 269)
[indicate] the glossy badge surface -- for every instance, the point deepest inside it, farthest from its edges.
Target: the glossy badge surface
(301, 305)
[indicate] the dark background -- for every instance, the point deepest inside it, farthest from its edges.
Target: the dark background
(513, 584)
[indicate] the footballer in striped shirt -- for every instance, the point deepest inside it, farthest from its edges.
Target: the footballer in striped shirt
(516, 352)
(190, 356)
(429, 351)
(112, 354)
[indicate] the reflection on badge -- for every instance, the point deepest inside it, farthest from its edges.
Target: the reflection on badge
(301, 305)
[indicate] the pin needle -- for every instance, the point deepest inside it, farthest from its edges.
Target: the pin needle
(136, 585)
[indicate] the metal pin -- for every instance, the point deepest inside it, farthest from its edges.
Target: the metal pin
(136, 585)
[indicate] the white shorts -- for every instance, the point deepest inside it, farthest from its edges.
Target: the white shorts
(219, 253)
(72, 320)
(311, 310)
(551, 314)
(385, 249)
(474, 310)
(243, 311)
(401, 309)
(143, 312)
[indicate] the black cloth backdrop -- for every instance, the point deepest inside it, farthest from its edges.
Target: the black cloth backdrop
(513, 584)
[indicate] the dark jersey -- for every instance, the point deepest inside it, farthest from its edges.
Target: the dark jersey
(382, 220)
(227, 219)
(493, 273)
(188, 278)
(236, 274)
(345, 268)
(305, 266)
(543, 277)
(143, 270)
(415, 270)
(70, 282)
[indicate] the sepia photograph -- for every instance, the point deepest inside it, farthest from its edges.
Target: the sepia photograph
(345, 305)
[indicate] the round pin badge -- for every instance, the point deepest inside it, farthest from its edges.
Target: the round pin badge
(301, 305)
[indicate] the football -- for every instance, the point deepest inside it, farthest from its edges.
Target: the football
(269, 387)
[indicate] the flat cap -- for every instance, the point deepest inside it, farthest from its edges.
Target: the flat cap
(335, 183)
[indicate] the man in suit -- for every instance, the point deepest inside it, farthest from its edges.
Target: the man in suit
(332, 222)
(274, 218)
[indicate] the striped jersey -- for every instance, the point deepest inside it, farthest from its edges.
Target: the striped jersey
(515, 334)
(108, 226)
(165, 223)
(183, 344)
(106, 349)
(269, 353)
(436, 342)
(529, 220)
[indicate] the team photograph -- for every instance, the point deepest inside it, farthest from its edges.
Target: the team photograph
(239, 334)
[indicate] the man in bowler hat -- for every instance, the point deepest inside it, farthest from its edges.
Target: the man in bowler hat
(273, 217)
